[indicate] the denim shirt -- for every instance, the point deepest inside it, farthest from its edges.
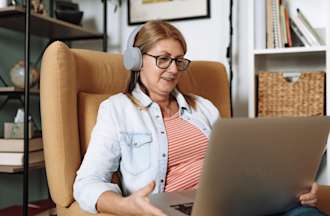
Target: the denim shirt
(134, 141)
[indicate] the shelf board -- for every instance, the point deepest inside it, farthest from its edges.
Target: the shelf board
(17, 169)
(11, 90)
(12, 17)
(291, 50)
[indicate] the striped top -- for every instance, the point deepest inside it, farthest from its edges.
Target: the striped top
(187, 146)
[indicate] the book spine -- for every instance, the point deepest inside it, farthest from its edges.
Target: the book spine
(275, 25)
(287, 25)
(283, 26)
(270, 37)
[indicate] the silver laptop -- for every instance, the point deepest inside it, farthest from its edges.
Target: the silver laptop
(253, 167)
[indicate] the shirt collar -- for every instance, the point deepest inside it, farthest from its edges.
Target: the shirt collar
(146, 101)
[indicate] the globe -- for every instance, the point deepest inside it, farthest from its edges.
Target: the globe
(17, 75)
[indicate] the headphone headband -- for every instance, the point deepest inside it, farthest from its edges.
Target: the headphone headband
(132, 36)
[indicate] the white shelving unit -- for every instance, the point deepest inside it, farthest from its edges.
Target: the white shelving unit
(295, 59)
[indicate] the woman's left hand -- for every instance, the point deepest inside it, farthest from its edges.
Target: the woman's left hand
(309, 198)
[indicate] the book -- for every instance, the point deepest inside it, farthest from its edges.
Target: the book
(298, 33)
(287, 26)
(283, 26)
(276, 24)
(310, 38)
(260, 22)
(296, 42)
(310, 28)
(17, 145)
(17, 158)
(270, 37)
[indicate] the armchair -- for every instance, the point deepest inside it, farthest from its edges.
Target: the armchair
(73, 83)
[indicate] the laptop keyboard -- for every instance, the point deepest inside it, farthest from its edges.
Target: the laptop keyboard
(185, 208)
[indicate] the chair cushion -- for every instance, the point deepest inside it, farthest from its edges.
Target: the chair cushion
(88, 105)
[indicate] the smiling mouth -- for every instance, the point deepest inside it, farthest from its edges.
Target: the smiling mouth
(168, 78)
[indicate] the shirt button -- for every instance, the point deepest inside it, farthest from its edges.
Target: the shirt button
(157, 116)
(162, 132)
(162, 180)
(164, 155)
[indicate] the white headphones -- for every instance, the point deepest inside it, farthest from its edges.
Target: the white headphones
(133, 55)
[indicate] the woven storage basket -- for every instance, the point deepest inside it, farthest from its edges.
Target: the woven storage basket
(279, 97)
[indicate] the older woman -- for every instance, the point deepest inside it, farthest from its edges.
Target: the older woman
(152, 133)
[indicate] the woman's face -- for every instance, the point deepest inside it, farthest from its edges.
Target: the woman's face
(161, 82)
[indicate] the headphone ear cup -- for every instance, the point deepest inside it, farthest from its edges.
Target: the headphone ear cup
(133, 59)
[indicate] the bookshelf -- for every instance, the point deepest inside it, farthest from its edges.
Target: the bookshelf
(12, 17)
(257, 57)
(292, 50)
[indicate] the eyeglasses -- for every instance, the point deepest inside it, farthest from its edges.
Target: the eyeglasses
(163, 62)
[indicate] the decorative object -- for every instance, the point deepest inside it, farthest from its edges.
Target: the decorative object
(140, 11)
(290, 94)
(38, 7)
(16, 130)
(17, 75)
(69, 12)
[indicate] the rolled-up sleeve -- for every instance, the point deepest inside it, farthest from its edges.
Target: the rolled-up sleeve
(100, 161)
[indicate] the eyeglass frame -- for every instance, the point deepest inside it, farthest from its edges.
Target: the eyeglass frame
(172, 59)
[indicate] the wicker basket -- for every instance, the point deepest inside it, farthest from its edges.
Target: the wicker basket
(279, 97)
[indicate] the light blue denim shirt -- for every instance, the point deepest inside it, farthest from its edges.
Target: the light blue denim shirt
(134, 141)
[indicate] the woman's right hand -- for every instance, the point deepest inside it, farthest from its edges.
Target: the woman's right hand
(138, 202)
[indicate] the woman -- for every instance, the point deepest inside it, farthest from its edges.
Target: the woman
(152, 133)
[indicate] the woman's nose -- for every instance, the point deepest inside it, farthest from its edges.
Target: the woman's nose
(173, 68)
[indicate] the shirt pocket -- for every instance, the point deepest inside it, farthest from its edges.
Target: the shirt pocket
(136, 150)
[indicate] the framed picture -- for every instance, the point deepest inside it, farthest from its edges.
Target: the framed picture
(140, 11)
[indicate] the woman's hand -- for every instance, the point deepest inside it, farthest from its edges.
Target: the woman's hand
(138, 203)
(309, 198)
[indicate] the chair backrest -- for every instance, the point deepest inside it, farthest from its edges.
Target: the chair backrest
(74, 82)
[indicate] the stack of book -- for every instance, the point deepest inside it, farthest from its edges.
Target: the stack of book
(288, 30)
(12, 151)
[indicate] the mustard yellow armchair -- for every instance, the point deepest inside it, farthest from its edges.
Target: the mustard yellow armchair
(74, 82)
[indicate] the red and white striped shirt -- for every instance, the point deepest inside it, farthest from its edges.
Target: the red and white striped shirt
(187, 146)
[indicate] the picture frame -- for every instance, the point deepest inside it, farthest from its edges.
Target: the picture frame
(141, 11)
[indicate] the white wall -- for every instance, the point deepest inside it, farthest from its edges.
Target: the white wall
(207, 39)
